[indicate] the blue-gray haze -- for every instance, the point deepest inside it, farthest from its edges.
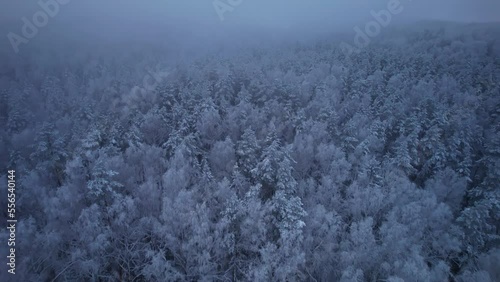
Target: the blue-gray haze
(250, 140)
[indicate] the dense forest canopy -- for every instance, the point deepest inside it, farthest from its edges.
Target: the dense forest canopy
(280, 162)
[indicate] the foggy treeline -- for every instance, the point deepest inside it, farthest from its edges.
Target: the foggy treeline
(179, 155)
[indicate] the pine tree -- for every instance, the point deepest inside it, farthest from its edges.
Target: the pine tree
(246, 150)
(50, 152)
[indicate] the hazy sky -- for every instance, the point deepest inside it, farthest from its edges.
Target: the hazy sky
(136, 18)
(261, 12)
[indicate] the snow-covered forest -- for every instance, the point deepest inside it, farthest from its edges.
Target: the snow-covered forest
(292, 162)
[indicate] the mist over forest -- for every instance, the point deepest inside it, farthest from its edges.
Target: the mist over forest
(250, 140)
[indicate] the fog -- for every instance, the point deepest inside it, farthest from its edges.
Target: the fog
(250, 140)
(198, 27)
(127, 16)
